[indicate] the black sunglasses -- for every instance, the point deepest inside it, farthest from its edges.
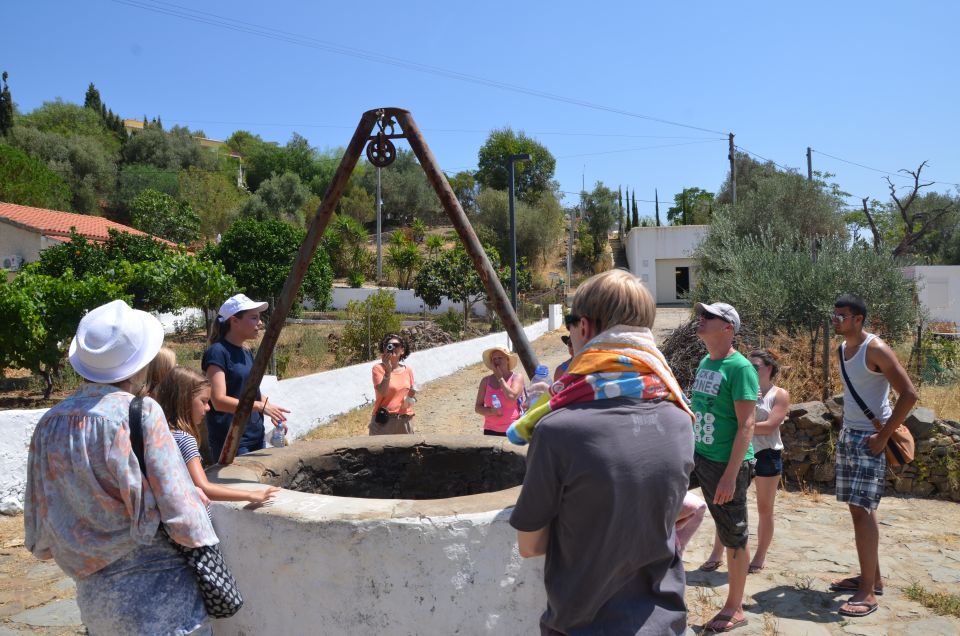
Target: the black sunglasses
(565, 340)
(571, 320)
(708, 316)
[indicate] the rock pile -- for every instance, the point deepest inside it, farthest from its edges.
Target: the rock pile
(425, 335)
(809, 438)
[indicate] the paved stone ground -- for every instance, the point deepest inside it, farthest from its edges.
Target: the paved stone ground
(920, 542)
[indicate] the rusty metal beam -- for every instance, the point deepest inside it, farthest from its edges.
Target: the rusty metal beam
(491, 283)
(290, 288)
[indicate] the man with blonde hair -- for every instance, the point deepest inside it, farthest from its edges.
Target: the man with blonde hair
(611, 448)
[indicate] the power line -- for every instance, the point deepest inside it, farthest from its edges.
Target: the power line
(211, 19)
(765, 159)
(887, 172)
(610, 152)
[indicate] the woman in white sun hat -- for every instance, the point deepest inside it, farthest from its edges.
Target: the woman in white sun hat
(87, 504)
(499, 393)
(227, 363)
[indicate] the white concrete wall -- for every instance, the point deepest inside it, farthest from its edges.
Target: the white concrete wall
(313, 400)
(300, 573)
(17, 241)
(407, 300)
(939, 290)
(170, 320)
(673, 243)
(16, 429)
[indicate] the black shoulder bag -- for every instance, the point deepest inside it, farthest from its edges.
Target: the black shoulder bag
(900, 446)
(221, 597)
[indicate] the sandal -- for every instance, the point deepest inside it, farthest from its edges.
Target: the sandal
(710, 565)
(851, 584)
(871, 608)
(753, 569)
(732, 624)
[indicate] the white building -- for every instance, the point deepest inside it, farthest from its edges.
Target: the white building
(662, 258)
(939, 290)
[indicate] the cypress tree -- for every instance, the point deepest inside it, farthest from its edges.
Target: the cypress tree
(656, 206)
(92, 99)
(636, 214)
(6, 107)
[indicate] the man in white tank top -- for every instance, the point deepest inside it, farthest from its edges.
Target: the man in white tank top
(872, 369)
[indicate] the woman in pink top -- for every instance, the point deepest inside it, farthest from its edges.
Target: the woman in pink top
(499, 393)
(394, 387)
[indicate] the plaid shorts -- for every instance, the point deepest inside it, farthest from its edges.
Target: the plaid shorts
(860, 474)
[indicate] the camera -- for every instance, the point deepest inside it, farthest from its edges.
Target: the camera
(391, 346)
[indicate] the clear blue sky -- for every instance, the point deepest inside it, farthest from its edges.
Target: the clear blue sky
(870, 82)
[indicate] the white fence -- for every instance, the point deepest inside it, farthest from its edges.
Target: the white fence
(313, 400)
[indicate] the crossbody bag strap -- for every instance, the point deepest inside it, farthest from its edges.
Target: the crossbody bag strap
(853, 392)
(136, 431)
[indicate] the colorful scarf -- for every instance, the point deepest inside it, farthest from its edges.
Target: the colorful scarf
(619, 362)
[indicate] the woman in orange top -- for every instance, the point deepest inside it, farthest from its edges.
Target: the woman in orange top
(394, 387)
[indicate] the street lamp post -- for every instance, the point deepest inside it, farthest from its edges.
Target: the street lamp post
(524, 156)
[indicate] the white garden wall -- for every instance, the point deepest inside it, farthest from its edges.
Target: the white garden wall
(407, 300)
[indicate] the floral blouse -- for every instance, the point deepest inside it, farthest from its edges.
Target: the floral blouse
(86, 504)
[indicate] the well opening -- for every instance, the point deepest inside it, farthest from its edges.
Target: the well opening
(418, 471)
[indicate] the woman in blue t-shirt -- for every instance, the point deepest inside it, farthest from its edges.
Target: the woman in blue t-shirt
(227, 363)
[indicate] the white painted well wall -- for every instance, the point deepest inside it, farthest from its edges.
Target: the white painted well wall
(456, 574)
(313, 400)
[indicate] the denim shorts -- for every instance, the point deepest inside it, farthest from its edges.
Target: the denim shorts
(769, 463)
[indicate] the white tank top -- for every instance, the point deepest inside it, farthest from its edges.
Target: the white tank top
(764, 408)
(872, 387)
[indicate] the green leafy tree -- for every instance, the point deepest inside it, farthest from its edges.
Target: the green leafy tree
(357, 203)
(344, 242)
(174, 150)
(403, 259)
(538, 225)
(259, 255)
(601, 214)
(58, 304)
(26, 180)
(161, 215)
(464, 186)
(213, 195)
(405, 190)
(692, 206)
(279, 197)
(92, 99)
(532, 178)
(6, 107)
(135, 178)
(434, 244)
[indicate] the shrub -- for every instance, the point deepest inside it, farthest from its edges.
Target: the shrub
(368, 322)
(451, 322)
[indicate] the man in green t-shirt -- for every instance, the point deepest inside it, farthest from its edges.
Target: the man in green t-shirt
(724, 401)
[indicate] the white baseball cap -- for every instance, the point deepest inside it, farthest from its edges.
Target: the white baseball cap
(236, 304)
(723, 311)
(114, 341)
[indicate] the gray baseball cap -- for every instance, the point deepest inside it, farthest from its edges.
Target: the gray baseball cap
(721, 310)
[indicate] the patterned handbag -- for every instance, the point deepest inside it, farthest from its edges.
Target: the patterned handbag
(221, 597)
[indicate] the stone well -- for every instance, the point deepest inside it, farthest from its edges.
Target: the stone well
(402, 534)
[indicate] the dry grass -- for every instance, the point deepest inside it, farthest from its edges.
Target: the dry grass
(770, 625)
(943, 399)
(943, 603)
(351, 424)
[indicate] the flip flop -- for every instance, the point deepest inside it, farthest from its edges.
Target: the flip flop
(733, 624)
(753, 569)
(851, 584)
(710, 566)
(871, 608)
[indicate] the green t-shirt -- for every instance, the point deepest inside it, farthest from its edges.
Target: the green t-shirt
(719, 383)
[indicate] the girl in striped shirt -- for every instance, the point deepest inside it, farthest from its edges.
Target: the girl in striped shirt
(184, 396)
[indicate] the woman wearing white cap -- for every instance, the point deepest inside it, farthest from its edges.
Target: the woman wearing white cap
(87, 503)
(227, 363)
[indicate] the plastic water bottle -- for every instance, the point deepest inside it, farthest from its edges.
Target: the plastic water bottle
(277, 438)
(539, 383)
(495, 401)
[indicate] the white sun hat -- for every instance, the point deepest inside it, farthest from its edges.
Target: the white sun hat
(114, 341)
(236, 304)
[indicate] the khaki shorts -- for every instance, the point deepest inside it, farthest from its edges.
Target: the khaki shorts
(395, 425)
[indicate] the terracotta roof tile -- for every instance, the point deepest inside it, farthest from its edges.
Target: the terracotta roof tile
(55, 224)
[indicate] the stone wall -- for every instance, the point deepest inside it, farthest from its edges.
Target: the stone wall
(811, 430)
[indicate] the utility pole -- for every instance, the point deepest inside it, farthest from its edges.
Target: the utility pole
(379, 239)
(733, 171)
(825, 367)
